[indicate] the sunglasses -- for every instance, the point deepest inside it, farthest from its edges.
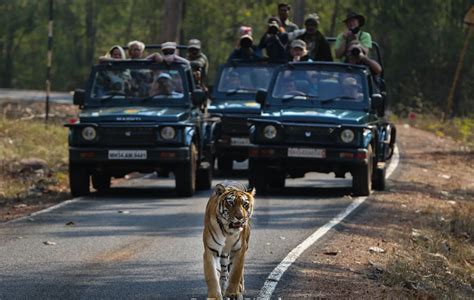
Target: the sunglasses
(168, 51)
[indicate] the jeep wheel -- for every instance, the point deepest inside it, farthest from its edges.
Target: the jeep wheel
(257, 177)
(224, 164)
(278, 180)
(185, 175)
(78, 180)
(204, 176)
(379, 179)
(362, 176)
(101, 182)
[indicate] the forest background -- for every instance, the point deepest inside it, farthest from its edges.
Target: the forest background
(421, 40)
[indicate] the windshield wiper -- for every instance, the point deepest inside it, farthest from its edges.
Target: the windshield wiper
(329, 100)
(112, 94)
(235, 91)
(150, 97)
(289, 97)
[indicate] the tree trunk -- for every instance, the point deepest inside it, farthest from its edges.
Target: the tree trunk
(335, 14)
(90, 32)
(298, 12)
(171, 24)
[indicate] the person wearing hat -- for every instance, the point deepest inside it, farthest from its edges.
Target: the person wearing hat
(316, 43)
(163, 86)
(356, 54)
(283, 14)
(298, 51)
(274, 41)
(246, 50)
(199, 62)
(351, 88)
(354, 22)
(169, 54)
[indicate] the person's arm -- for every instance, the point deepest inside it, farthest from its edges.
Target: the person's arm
(294, 34)
(155, 57)
(341, 45)
(373, 65)
(180, 59)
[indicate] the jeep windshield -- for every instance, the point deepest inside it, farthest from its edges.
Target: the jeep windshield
(244, 79)
(318, 87)
(129, 84)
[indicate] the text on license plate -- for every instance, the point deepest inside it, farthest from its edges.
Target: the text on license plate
(306, 152)
(240, 141)
(127, 154)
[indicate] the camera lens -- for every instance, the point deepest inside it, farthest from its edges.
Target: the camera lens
(355, 51)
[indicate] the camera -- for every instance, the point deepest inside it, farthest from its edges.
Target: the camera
(355, 52)
(272, 30)
(355, 30)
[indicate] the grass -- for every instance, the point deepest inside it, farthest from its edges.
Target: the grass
(442, 261)
(23, 139)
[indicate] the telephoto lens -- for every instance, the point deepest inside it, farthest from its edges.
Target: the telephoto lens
(355, 51)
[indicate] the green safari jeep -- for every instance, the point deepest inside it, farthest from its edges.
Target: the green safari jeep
(140, 116)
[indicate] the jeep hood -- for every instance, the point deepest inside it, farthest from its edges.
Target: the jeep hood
(135, 114)
(234, 107)
(319, 115)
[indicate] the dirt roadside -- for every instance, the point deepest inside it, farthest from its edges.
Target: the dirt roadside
(422, 225)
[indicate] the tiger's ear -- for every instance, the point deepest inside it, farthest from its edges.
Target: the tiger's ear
(251, 191)
(220, 189)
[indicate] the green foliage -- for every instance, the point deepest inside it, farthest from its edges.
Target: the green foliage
(421, 43)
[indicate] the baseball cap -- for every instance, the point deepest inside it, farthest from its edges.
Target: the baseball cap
(164, 75)
(168, 45)
(298, 44)
(194, 43)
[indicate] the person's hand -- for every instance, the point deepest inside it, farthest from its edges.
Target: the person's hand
(296, 58)
(348, 33)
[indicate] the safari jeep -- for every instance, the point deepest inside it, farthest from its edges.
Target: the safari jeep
(321, 117)
(139, 116)
(233, 100)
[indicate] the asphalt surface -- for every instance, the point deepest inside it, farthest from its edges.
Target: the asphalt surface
(140, 241)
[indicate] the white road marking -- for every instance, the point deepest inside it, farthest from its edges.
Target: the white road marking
(272, 280)
(67, 202)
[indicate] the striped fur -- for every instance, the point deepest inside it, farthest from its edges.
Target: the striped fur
(226, 236)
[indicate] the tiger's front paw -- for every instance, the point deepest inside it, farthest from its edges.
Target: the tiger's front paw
(234, 296)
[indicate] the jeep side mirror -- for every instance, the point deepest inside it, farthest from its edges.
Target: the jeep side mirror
(261, 97)
(198, 97)
(79, 97)
(378, 104)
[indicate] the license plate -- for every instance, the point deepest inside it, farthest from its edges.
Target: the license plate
(306, 152)
(239, 141)
(127, 154)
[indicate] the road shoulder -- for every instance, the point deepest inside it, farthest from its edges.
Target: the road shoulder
(412, 240)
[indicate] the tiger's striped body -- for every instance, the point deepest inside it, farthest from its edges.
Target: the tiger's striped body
(226, 236)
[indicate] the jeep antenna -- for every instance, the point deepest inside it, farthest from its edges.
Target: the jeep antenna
(50, 53)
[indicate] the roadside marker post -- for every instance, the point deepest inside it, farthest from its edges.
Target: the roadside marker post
(50, 55)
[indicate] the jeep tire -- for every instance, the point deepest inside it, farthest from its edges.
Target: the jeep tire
(185, 175)
(379, 179)
(362, 176)
(78, 180)
(257, 177)
(204, 176)
(101, 182)
(224, 164)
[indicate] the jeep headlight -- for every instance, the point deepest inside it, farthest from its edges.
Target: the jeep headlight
(347, 135)
(167, 133)
(89, 133)
(270, 132)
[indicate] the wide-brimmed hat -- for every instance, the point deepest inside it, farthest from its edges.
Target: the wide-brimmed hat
(354, 15)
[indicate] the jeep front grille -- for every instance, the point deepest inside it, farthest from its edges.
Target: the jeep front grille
(310, 135)
(127, 136)
(235, 126)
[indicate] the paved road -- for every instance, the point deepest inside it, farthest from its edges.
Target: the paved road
(141, 241)
(35, 95)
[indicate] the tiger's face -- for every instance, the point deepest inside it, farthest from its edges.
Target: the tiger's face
(235, 206)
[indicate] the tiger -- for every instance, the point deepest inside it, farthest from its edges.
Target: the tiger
(226, 236)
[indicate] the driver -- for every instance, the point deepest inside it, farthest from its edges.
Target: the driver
(164, 86)
(351, 88)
